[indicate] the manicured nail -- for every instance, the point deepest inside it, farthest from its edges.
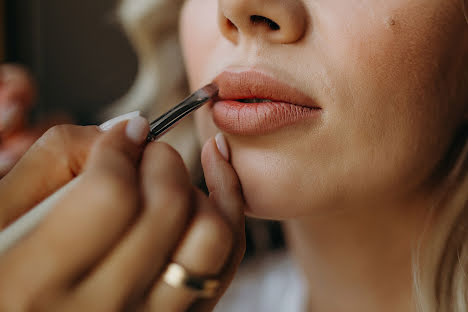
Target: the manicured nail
(137, 129)
(9, 116)
(222, 145)
(110, 123)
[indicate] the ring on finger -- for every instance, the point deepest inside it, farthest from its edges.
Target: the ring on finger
(178, 277)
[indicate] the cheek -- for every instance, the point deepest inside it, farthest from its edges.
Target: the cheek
(391, 108)
(198, 36)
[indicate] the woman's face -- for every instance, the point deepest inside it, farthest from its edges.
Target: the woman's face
(374, 85)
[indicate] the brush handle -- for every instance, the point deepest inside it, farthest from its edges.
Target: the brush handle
(168, 120)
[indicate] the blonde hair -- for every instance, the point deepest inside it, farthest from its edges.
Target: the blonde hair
(441, 263)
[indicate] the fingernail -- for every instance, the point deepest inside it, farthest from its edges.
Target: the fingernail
(137, 129)
(110, 123)
(9, 116)
(222, 145)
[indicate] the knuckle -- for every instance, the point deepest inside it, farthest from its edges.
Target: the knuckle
(63, 140)
(175, 200)
(165, 150)
(213, 231)
(56, 135)
(60, 133)
(165, 154)
(66, 134)
(54, 143)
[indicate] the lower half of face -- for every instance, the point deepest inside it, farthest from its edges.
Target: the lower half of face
(385, 77)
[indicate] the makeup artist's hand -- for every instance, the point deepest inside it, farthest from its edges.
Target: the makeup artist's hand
(108, 240)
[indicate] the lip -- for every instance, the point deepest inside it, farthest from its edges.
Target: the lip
(286, 105)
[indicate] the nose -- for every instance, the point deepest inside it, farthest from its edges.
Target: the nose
(277, 21)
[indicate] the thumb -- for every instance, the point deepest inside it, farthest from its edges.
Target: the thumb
(222, 181)
(119, 150)
(226, 191)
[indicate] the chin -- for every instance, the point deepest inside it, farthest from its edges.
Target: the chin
(259, 209)
(267, 203)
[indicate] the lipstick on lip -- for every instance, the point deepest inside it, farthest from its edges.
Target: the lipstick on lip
(254, 103)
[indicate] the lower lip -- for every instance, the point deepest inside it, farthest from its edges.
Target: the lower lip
(259, 118)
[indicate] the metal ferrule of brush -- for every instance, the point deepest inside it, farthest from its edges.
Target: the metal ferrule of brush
(172, 117)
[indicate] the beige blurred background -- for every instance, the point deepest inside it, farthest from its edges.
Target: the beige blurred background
(75, 49)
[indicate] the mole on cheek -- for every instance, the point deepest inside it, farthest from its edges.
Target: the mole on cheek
(391, 24)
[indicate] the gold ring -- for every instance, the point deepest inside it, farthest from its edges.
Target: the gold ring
(177, 277)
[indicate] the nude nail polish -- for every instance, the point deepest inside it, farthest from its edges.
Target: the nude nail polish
(137, 129)
(222, 145)
(110, 123)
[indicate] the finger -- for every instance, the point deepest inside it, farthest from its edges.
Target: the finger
(226, 191)
(53, 160)
(93, 215)
(203, 252)
(222, 181)
(131, 267)
(17, 93)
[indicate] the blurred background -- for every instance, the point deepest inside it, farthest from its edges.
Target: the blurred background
(75, 49)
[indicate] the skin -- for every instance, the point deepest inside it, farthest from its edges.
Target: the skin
(387, 76)
(107, 241)
(353, 214)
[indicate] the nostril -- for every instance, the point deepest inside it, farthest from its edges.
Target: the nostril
(257, 19)
(230, 24)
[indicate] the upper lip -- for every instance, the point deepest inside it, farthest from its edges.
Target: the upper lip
(254, 84)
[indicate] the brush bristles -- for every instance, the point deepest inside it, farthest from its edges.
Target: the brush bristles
(209, 91)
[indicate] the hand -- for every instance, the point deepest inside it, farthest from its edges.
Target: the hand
(134, 211)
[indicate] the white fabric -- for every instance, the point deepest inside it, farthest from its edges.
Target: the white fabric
(270, 284)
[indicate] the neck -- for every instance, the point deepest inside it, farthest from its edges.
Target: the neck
(359, 259)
